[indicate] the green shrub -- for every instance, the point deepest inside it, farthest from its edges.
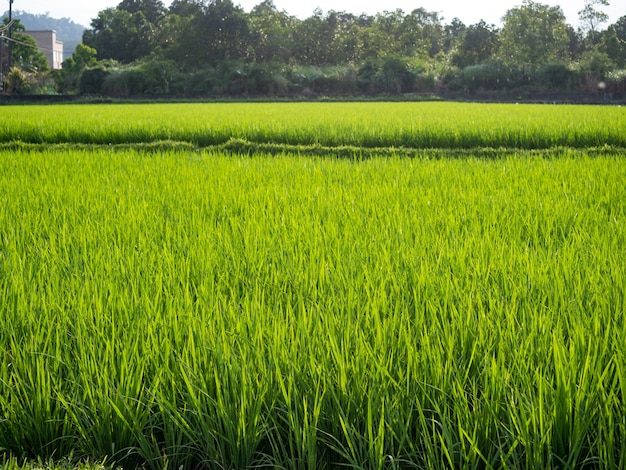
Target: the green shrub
(556, 76)
(92, 80)
(17, 82)
(616, 83)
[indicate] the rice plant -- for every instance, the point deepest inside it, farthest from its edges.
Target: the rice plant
(189, 308)
(364, 125)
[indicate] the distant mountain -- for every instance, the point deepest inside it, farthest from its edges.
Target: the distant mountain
(67, 31)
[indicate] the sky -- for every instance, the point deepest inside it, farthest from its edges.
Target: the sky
(82, 11)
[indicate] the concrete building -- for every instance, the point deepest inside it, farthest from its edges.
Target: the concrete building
(49, 45)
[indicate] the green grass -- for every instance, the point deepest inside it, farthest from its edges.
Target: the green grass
(188, 308)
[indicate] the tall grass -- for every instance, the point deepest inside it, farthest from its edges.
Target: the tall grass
(190, 309)
(412, 125)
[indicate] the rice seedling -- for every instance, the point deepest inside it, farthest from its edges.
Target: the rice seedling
(190, 308)
(364, 125)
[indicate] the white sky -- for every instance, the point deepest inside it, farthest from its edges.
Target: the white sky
(470, 12)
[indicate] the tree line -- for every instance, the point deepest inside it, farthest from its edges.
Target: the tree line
(215, 48)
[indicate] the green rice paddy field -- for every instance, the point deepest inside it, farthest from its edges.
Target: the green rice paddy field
(313, 285)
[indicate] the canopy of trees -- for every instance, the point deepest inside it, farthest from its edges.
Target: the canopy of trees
(214, 47)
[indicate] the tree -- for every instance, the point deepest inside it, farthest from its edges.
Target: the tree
(152, 10)
(17, 82)
(83, 57)
(453, 33)
(594, 65)
(534, 34)
(591, 17)
(120, 35)
(177, 37)
(92, 80)
(197, 35)
(26, 54)
(223, 32)
(478, 43)
(126, 33)
(576, 43)
(186, 8)
(620, 28)
(418, 34)
(394, 76)
(313, 39)
(614, 42)
(271, 32)
(613, 46)
(430, 35)
(25, 51)
(347, 46)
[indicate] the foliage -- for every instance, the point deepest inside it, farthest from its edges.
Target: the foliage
(17, 82)
(25, 53)
(591, 17)
(616, 82)
(72, 68)
(594, 66)
(152, 10)
(485, 76)
(370, 125)
(13, 463)
(216, 48)
(185, 308)
(167, 306)
(271, 33)
(556, 76)
(21, 82)
(92, 80)
(477, 44)
(148, 77)
(120, 35)
(614, 46)
(534, 34)
(205, 35)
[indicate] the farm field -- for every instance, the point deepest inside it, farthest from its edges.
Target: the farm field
(362, 125)
(212, 296)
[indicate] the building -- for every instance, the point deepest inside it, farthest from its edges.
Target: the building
(49, 45)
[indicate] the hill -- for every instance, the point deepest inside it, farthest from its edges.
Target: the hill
(67, 31)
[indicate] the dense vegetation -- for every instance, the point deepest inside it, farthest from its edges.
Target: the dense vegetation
(357, 125)
(200, 47)
(166, 304)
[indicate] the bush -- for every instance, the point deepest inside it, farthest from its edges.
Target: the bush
(493, 76)
(555, 76)
(616, 83)
(264, 79)
(366, 77)
(17, 82)
(392, 75)
(116, 83)
(337, 80)
(92, 80)
(482, 77)
(151, 77)
(200, 83)
(425, 77)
